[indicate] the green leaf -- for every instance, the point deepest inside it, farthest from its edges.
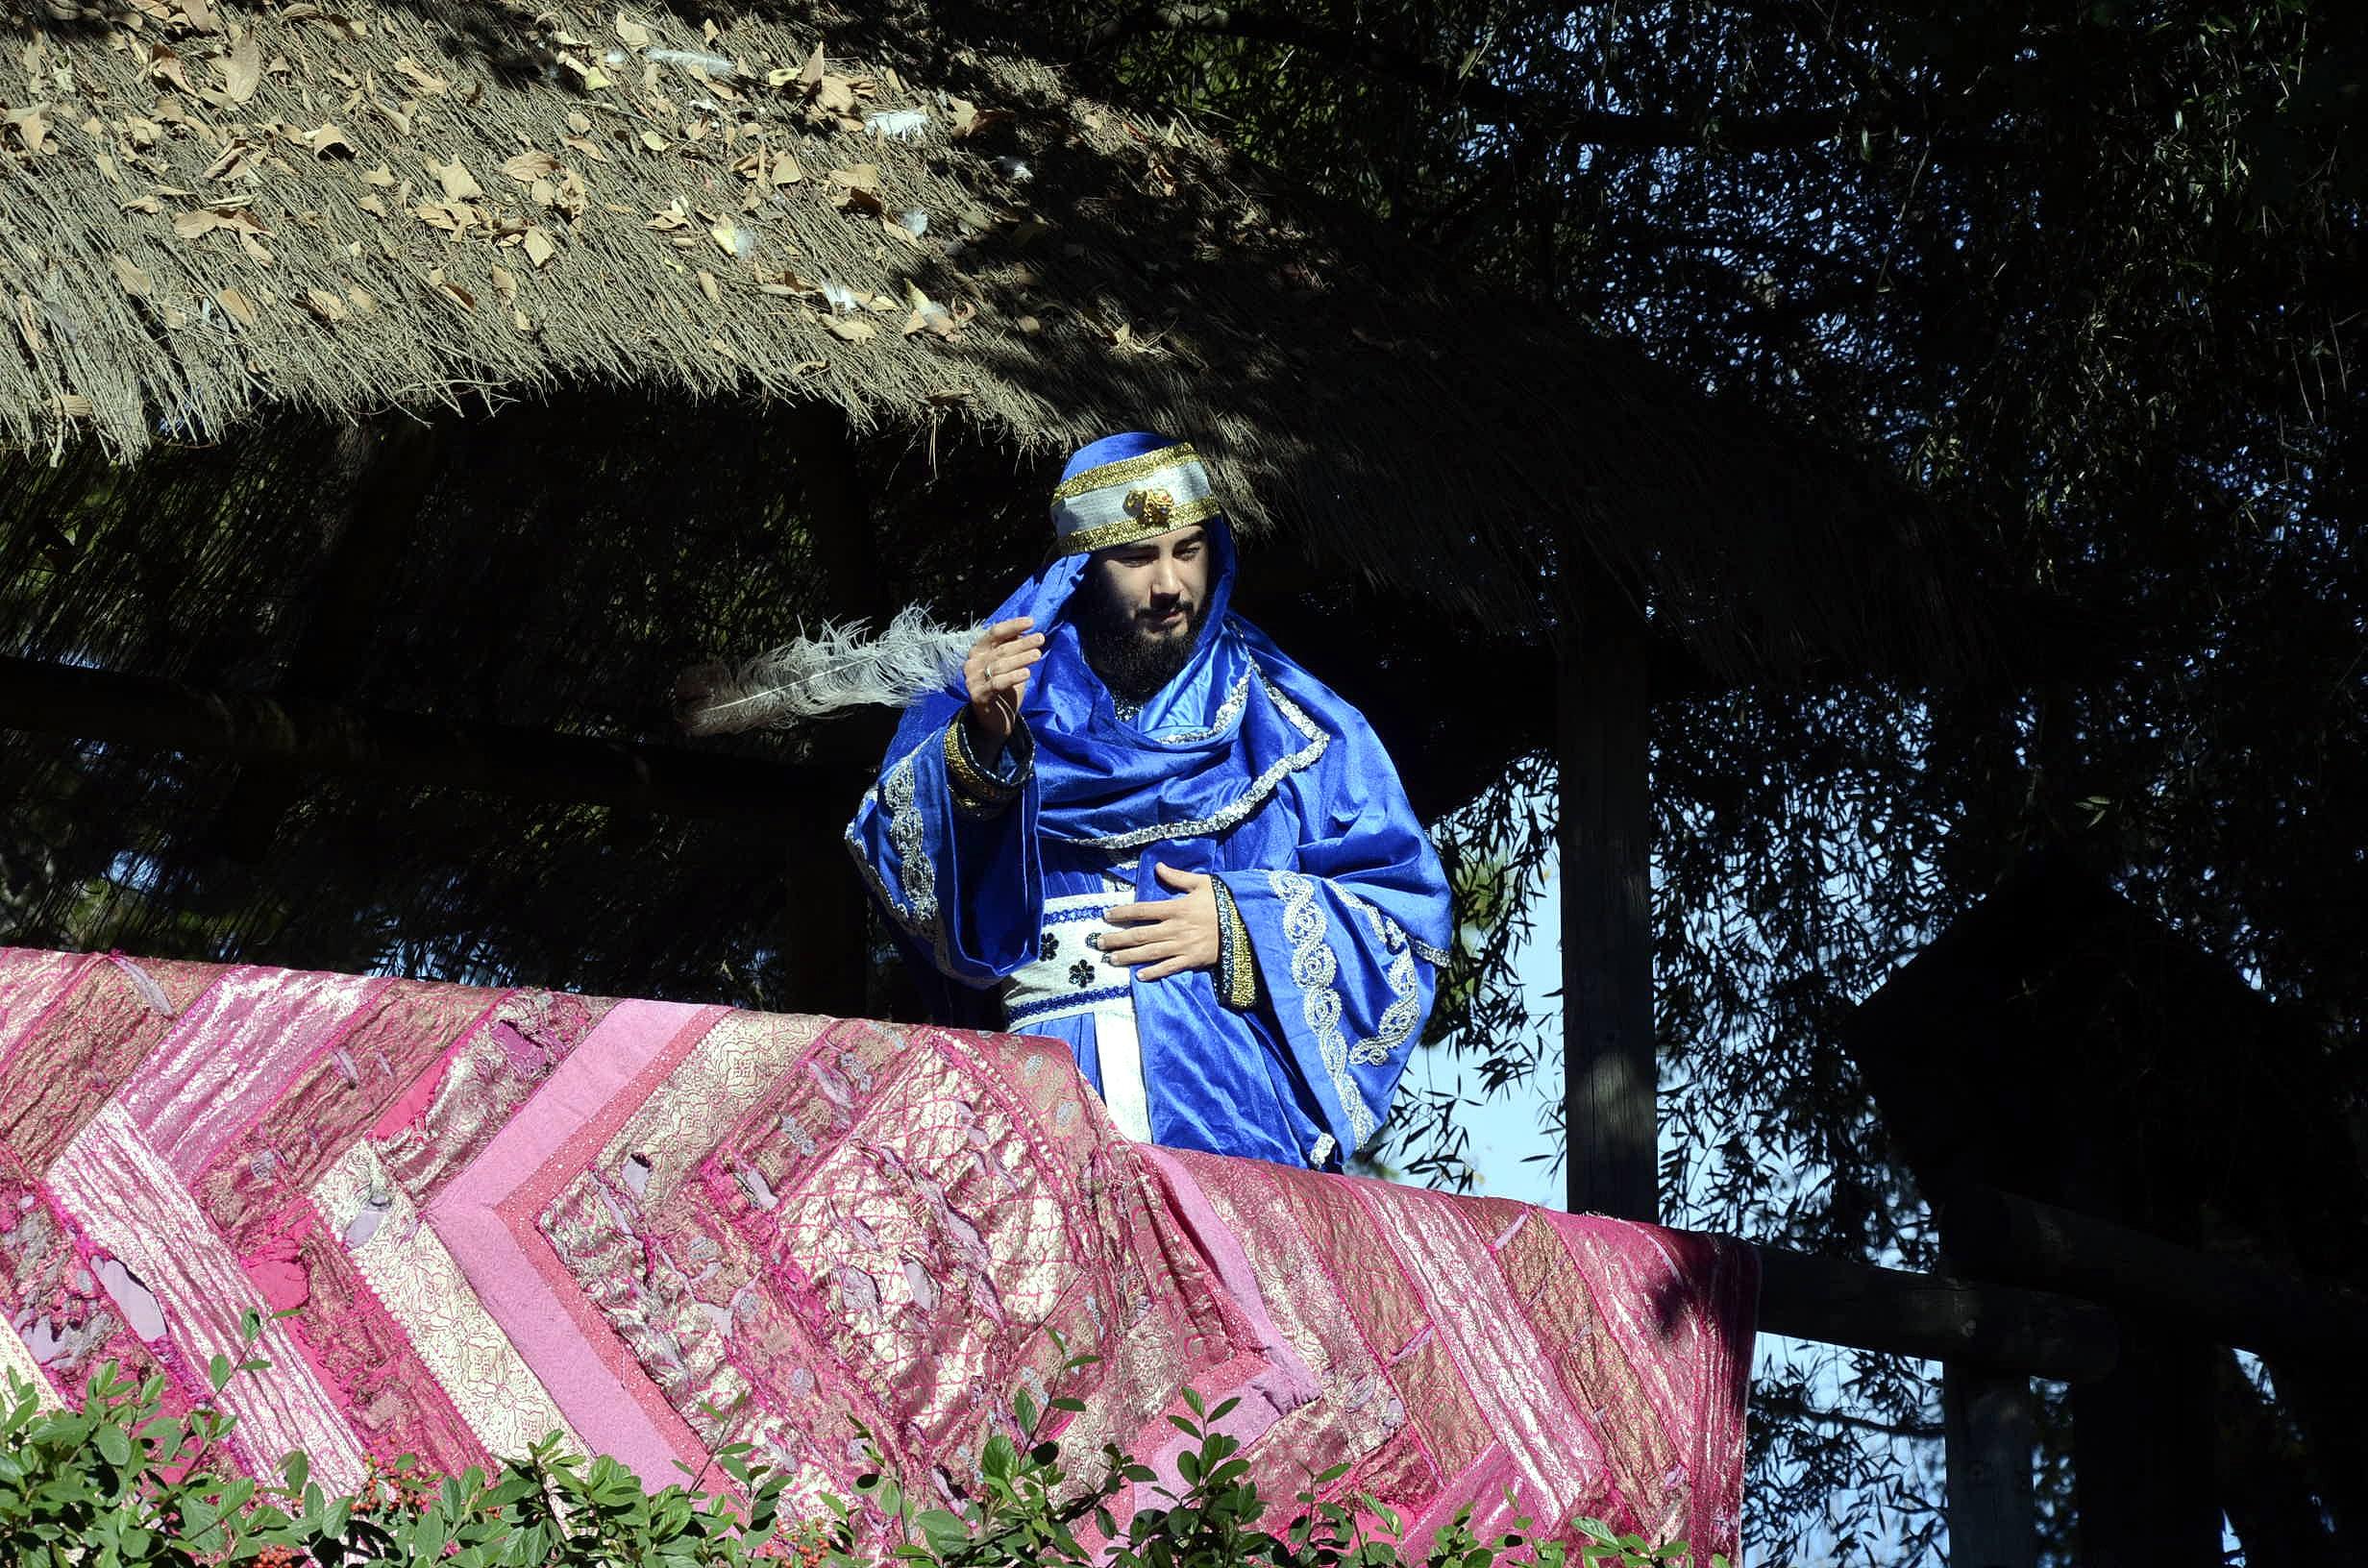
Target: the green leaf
(944, 1532)
(114, 1446)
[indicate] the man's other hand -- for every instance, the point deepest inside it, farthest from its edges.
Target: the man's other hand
(995, 675)
(1171, 934)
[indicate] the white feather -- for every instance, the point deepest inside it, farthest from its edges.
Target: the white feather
(841, 666)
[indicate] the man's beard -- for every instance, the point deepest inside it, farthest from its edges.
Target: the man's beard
(1133, 660)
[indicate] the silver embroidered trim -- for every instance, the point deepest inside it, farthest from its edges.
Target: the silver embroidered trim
(1405, 1011)
(1326, 1143)
(1235, 702)
(1438, 958)
(913, 901)
(1251, 799)
(1313, 969)
(1398, 1019)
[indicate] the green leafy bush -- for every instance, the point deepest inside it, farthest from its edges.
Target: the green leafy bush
(120, 1484)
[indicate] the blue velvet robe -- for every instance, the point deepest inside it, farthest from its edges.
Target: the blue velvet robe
(1245, 767)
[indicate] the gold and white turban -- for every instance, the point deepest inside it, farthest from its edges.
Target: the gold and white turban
(1136, 497)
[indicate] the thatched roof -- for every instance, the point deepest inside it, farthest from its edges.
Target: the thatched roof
(208, 207)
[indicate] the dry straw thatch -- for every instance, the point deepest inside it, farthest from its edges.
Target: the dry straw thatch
(346, 204)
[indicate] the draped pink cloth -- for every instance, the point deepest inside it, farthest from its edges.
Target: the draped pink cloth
(659, 1228)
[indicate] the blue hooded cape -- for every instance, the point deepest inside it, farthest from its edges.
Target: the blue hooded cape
(1245, 767)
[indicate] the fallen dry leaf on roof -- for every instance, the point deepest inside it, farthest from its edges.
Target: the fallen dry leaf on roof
(379, 176)
(451, 290)
(144, 204)
(135, 282)
(506, 283)
(32, 126)
(653, 141)
(634, 35)
(538, 247)
(305, 12)
(459, 185)
(198, 14)
(706, 286)
(325, 304)
(529, 166)
(241, 69)
(969, 119)
(232, 160)
(854, 331)
(328, 141)
(424, 80)
(235, 303)
(594, 78)
(453, 218)
(856, 188)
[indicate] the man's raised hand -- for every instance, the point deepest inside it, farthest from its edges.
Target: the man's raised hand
(995, 675)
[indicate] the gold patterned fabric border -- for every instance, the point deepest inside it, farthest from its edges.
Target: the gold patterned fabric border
(1237, 968)
(1125, 471)
(1126, 531)
(1141, 498)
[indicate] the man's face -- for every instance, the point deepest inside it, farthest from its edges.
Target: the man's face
(1142, 607)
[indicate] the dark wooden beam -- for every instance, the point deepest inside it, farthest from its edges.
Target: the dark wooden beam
(778, 798)
(1604, 753)
(2228, 1301)
(1998, 1328)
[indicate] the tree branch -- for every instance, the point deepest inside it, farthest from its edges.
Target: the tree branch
(1599, 128)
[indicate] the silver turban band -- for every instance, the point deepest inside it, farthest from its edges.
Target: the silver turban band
(1139, 498)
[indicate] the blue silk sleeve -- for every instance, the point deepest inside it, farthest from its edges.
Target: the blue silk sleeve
(1348, 939)
(962, 881)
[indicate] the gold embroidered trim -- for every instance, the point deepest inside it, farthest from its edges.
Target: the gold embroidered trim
(1125, 471)
(1128, 530)
(1237, 965)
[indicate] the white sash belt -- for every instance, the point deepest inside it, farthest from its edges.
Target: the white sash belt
(1068, 978)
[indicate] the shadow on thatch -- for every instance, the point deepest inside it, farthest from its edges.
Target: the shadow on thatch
(343, 207)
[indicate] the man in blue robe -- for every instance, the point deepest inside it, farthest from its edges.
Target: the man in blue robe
(1144, 831)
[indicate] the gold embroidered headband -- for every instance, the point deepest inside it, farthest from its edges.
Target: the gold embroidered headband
(1137, 497)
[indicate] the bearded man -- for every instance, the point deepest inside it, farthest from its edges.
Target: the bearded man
(1144, 831)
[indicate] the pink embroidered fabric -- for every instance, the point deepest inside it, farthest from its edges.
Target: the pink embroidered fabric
(657, 1229)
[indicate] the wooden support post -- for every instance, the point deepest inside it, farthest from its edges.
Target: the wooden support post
(1991, 1424)
(1610, 1073)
